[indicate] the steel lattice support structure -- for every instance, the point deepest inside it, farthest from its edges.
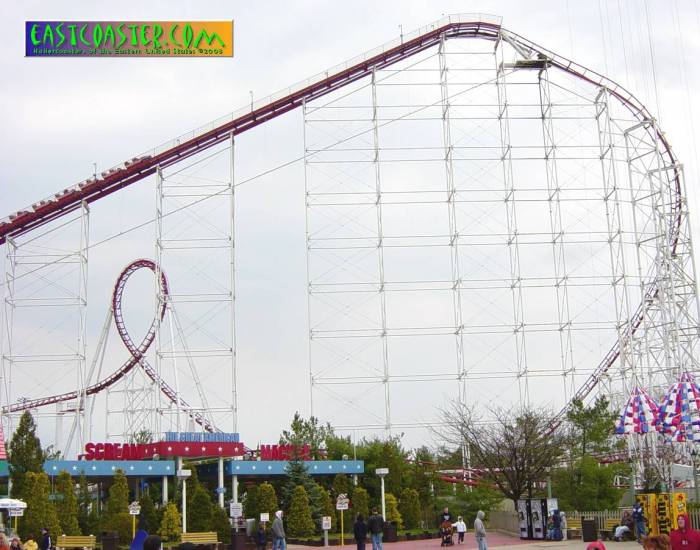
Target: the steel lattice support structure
(46, 278)
(484, 217)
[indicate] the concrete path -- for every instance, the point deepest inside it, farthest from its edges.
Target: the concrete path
(494, 540)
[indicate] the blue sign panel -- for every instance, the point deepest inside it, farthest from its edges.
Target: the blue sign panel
(139, 468)
(279, 467)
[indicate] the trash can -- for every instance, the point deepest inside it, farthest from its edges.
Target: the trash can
(238, 539)
(390, 532)
(110, 540)
(589, 530)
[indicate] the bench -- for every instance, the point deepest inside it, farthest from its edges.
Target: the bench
(65, 541)
(573, 528)
(206, 538)
(608, 530)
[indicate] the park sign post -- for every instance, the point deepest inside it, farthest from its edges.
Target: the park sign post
(342, 503)
(134, 510)
(326, 526)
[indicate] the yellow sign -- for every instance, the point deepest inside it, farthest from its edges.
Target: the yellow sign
(664, 513)
(648, 502)
(679, 507)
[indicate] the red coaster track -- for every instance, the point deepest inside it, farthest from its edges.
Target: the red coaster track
(138, 353)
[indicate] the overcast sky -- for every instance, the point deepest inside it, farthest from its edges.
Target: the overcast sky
(60, 116)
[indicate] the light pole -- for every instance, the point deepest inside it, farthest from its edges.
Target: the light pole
(382, 472)
(694, 454)
(183, 475)
(549, 483)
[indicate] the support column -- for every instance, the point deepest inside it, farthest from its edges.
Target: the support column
(557, 235)
(234, 374)
(513, 241)
(453, 225)
(221, 482)
(165, 490)
(380, 255)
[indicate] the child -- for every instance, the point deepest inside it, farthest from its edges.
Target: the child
(461, 529)
(261, 537)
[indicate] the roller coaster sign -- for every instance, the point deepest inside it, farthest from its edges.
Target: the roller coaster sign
(203, 447)
(129, 38)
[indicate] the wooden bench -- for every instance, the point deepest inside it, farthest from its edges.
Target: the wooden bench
(65, 541)
(206, 538)
(573, 528)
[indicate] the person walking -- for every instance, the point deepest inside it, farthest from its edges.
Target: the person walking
(375, 524)
(638, 518)
(461, 529)
(480, 531)
(562, 519)
(45, 542)
(556, 532)
(359, 528)
(278, 537)
(685, 537)
(261, 538)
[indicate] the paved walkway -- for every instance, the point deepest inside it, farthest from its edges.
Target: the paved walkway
(495, 540)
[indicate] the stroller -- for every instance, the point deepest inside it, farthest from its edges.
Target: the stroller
(446, 534)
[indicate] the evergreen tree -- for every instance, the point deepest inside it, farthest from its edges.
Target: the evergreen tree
(171, 525)
(392, 510)
(221, 524)
(267, 500)
(360, 501)
(321, 505)
(149, 517)
(67, 504)
(116, 514)
(251, 509)
(199, 512)
(40, 511)
(409, 507)
(299, 521)
(25, 454)
(341, 485)
(84, 506)
(297, 475)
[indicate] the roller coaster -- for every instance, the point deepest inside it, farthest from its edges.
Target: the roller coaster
(657, 335)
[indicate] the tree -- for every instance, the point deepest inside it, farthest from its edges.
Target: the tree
(40, 511)
(251, 508)
(297, 475)
(221, 524)
(171, 524)
(467, 503)
(299, 521)
(591, 428)
(149, 517)
(267, 499)
(588, 485)
(67, 504)
(25, 455)
(84, 506)
(360, 501)
(392, 510)
(116, 515)
(200, 511)
(409, 506)
(515, 449)
(321, 505)
(307, 432)
(378, 453)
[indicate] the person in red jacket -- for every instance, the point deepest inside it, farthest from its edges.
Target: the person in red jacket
(685, 537)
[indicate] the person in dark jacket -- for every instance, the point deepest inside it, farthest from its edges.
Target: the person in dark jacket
(375, 525)
(556, 531)
(261, 537)
(639, 521)
(444, 516)
(45, 542)
(360, 530)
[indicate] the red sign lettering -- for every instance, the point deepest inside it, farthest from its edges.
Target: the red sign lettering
(284, 452)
